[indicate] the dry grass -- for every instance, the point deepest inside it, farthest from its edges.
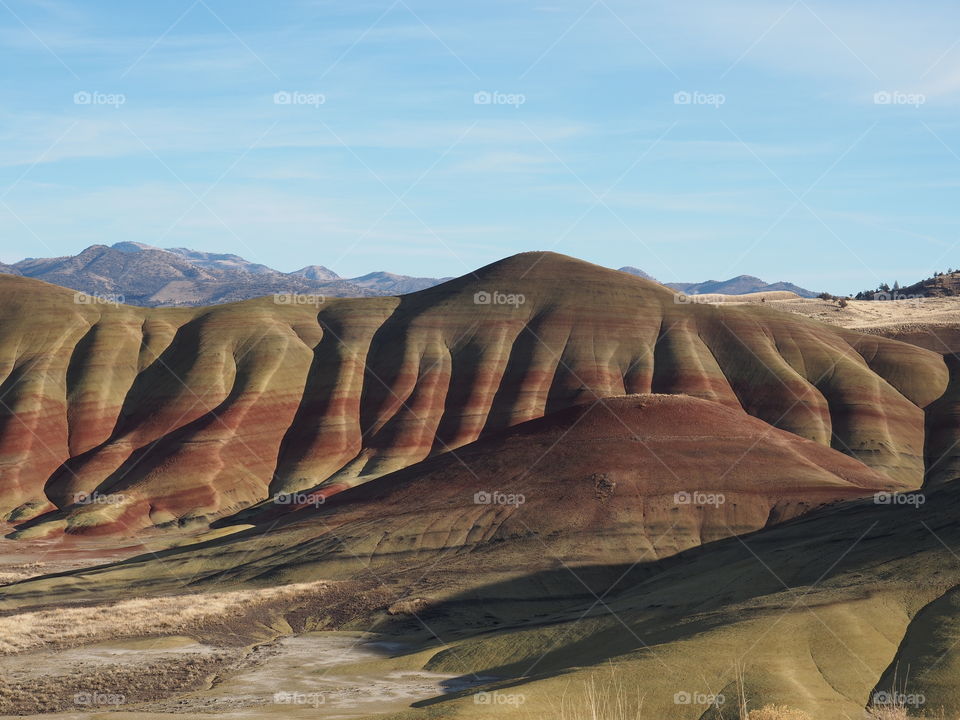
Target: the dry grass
(886, 712)
(15, 573)
(604, 699)
(408, 606)
(777, 712)
(861, 314)
(767, 712)
(895, 703)
(134, 618)
(609, 700)
(899, 711)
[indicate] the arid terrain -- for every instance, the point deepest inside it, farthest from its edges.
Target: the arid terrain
(930, 322)
(510, 494)
(431, 360)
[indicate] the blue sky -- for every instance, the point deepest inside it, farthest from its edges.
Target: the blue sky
(161, 123)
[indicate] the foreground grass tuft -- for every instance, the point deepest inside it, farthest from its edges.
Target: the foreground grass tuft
(887, 713)
(777, 712)
(605, 699)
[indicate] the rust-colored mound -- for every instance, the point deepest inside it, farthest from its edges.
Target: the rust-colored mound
(633, 476)
(119, 418)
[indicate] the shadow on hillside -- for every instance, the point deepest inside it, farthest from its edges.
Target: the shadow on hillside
(595, 613)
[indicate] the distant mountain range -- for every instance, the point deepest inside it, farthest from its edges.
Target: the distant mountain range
(148, 276)
(740, 285)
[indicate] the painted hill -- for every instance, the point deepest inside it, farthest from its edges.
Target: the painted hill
(189, 414)
(617, 473)
(819, 613)
(516, 478)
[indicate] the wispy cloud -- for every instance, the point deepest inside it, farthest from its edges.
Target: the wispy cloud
(399, 84)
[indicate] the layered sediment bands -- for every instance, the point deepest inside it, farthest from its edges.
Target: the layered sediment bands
(39, 335)
(325, 433)
(103, 367)
(201, 429)
(623, 477)
(189, 413)
(683, 363)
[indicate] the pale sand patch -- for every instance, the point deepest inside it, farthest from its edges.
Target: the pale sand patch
(757, 297)
(864, 314)
(168, 615)
(323, 675)
(90, 658)
(857, 315)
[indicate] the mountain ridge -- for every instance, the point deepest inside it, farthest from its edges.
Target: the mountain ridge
(148, 276)
(739, 285)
